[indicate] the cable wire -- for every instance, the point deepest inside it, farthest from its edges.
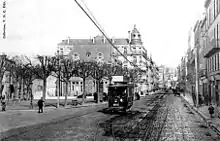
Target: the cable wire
(94, 21)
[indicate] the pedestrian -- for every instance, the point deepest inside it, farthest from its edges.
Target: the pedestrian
(40, 104)
(211, 110)
(3, 101)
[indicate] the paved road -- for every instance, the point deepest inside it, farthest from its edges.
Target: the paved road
(153, 118)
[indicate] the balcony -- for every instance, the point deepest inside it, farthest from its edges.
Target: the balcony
(202, 73)
(212, 48)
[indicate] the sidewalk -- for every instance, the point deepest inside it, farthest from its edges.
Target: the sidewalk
(214, 122)
(12, 118)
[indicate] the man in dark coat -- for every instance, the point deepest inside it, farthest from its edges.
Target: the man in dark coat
(40, 104)
(3, 101)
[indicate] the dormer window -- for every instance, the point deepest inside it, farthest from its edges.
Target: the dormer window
(76, 56)
(100, 55)
(134, 35)
(139, 35)
(88, 54)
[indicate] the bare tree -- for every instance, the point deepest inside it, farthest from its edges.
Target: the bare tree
(101, 70)
(84, 69)
(6, 64)
(67, 70)
(114, 70)
(2, 69)
(44, 70)
(29, 76)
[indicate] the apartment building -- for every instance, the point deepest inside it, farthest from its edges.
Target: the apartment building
(211, 52)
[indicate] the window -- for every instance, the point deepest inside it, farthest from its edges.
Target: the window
(218, 6)
(210, 15)
(125, 50)
(88, 54)
(134, 35)
(207, 65)
(75, 56)
(217, 61)
(100, 55)
(208, 61)
(215, 8)
(134, 59)
(214, 63)
(212, 66)
(73, 88)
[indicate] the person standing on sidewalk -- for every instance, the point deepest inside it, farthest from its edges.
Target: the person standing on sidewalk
(40, 104)
(211, 110)
(3, 101)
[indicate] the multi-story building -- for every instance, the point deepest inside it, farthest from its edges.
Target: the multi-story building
(203, 85)
(99, 49)
(161, 76)
(211, 52)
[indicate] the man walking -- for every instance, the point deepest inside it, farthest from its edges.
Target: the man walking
(40, 105)
(3, 101)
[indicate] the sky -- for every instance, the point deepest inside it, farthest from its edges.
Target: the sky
(37, 26)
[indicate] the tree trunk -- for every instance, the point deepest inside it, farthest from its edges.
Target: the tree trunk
(23, 89)
(44, 88)
(19, 89)
(98, 93)
(84, 90)
(1, 86)
(1, 78)
(66, 94)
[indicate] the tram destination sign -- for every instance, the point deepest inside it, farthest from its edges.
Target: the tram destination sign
(119, 79)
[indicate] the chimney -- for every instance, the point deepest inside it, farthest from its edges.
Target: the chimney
(68, 40)
(93, 40)
(104, 39)
(113, 40)
(129, 36)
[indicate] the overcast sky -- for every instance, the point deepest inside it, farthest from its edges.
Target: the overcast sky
(37, 26)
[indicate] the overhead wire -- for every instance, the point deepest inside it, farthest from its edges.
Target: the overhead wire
(95, 22)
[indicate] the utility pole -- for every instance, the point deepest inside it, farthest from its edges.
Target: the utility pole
(197, 77)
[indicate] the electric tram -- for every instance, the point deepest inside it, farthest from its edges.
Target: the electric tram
(120, 94)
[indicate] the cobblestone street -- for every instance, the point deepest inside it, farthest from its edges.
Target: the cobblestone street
(183, 124)
(153, 118)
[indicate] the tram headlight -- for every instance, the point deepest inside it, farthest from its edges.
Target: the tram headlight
(121, 100)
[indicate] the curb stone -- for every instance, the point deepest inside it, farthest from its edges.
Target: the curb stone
(210, 124)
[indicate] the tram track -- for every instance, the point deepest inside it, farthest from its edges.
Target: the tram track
(139, 125)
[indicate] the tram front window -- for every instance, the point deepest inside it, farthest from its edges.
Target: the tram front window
(119, 91)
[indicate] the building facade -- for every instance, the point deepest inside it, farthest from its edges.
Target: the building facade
(211, 52)
(99, 49)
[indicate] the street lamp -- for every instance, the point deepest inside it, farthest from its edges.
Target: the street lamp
(58, 66)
